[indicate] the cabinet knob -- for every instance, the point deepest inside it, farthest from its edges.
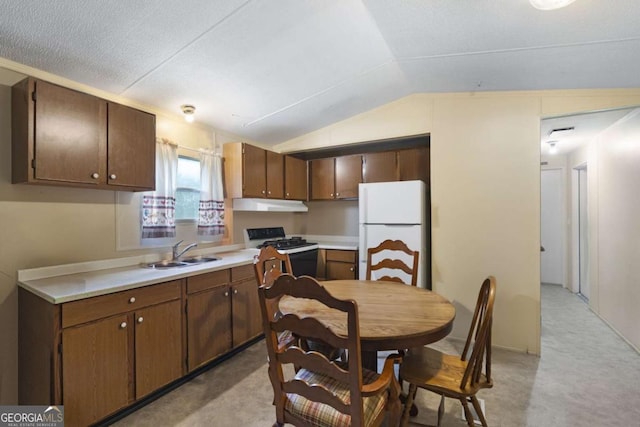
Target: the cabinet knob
(95, 175)
(287, 194)
(226, 294)
(351, 269)
(123, 325)
(263, 192)
(235, 291)
(140, 319)
(337, 194)
(112, 176)
(269, 192)
(132, 300)
(331, 194)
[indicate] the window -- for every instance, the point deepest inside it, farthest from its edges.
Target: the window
(187, 189)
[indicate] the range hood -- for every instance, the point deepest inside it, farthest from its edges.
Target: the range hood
(269, 205)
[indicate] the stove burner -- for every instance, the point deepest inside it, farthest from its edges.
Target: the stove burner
(293, 242)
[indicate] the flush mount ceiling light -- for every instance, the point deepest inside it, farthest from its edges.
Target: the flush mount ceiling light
(550, 4)
(189, 112)
(552, 147)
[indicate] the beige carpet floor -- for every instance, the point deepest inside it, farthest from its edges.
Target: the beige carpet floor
(586, 375)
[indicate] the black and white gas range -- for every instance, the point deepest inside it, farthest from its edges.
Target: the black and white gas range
(303, 254)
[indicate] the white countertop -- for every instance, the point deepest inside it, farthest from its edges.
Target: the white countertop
(64, 283)
(70, 287)
(345, 243)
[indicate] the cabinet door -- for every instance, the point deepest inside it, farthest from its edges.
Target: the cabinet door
(379, 167)
(131, 148)
(95, 369)
(70, 135)
(340, 270)
(158, 345)
(348, 176)
(322, 172)
(208, 325)
(254, 177)
(414, 164)
(247, 316)
(275, 175)
(295, 178)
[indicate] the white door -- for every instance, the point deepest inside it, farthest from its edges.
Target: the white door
(412, 235)
(552, 230)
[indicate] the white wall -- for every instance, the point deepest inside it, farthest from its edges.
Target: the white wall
(617, 226)
(485, 182)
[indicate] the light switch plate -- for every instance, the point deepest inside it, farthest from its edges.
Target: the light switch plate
(476, 419)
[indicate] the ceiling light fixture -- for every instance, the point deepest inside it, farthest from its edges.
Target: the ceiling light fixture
(189, 112)
(550, 4)
(552, 147)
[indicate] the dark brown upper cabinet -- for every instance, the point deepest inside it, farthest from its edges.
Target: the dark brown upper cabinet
(414, 164)
(295, 178)
(253, 172)
(380, 167)
(64, 137)
(335, 178)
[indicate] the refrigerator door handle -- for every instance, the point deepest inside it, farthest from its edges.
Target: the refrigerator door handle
(362, 201)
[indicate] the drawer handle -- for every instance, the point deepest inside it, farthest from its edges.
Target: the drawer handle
(132, 300)
(95, 175)
(140, 319)
(123, 325)
(226, 294)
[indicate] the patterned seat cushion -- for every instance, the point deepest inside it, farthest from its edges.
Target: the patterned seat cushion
(323, 415)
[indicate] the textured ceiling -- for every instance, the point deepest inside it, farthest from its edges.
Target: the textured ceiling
(273, 70)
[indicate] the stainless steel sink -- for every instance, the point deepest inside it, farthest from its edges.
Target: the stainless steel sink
(166, 264)
(180, 263)
(200, 259)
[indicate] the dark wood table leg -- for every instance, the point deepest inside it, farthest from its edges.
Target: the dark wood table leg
(370, 360)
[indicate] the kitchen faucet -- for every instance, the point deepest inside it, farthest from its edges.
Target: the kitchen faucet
(177, 253)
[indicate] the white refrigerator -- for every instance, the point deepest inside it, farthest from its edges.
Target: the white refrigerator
(396, 211)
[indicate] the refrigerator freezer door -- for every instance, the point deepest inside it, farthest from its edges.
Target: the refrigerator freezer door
(413, 235)
(401, 202)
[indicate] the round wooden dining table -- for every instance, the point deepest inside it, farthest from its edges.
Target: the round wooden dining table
(392, 316)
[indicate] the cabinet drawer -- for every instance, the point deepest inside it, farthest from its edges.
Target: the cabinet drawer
(86, 310)
(242, 272)
(342, 256)
(207, 281)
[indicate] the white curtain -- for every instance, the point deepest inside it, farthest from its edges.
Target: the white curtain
(211, 209)
(159, 206)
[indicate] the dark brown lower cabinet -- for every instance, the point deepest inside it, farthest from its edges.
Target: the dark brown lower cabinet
(95, 375)
(208, 324)
(245, 306)
(99, 355)
(158, 346)
(341, 264)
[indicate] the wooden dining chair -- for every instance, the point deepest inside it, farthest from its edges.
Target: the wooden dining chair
(268, 266)
(458, 377)
(393, 264)
(323, 392)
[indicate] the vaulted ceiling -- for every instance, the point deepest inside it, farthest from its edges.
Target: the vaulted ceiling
(273, 70)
